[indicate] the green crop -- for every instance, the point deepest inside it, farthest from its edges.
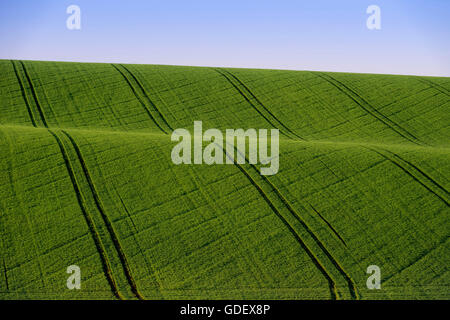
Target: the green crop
(86, 179)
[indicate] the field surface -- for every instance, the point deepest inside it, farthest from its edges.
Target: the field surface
(86, 179)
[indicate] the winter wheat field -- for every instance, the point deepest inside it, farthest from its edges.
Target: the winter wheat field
(87, 179)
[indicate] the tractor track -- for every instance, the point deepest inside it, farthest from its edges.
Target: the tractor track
(367, 107)
(89, 221)
(149, 106)
(109, 226)
(81, 201)
(403, 164)
(275, 123)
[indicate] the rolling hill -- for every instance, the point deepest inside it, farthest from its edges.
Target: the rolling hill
(86, 179)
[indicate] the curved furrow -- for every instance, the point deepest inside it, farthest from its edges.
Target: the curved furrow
(34, 94)
(434, 85)
(281, 124)
(138, 96)
(89, 221)
(278, 125)
(423, 173)
(402, 164)
(100, 248)
(369, 108)
(161, 115)
(109, 226)
(24, 95)
(351, 284)
(419, 258)
(314, 259)
(329, 225)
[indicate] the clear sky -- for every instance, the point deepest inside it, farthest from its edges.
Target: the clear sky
(328, 35)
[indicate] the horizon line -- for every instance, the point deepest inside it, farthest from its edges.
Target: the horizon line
(233, 67)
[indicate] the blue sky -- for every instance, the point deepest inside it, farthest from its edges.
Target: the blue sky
(327, 35)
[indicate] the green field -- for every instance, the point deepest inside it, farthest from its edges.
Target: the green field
(86, 179)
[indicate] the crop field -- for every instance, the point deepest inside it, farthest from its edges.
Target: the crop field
(86, 179)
